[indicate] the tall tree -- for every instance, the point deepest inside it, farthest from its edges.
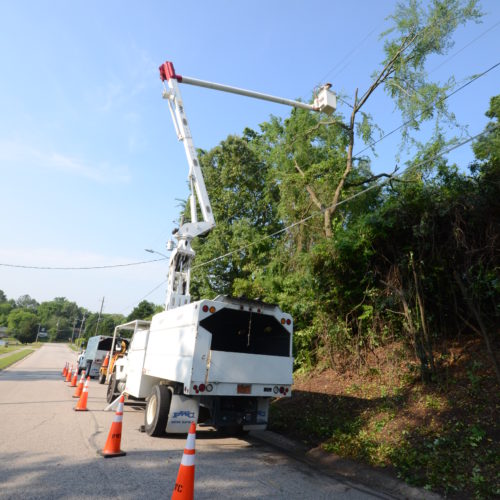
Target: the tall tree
(23, 325)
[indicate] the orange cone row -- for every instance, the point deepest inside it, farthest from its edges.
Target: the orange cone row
(184, 484)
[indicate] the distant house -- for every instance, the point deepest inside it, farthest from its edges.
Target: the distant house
(3, 332)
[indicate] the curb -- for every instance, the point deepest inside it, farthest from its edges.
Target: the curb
(347, 471)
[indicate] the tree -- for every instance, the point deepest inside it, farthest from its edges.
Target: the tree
(5, 308)
(23, 325)
(144, 310)
(3, 297)
(244, 205)
(26, 302)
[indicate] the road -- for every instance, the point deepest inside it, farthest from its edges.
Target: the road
(47, 450)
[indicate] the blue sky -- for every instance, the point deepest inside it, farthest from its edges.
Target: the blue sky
(90, 167)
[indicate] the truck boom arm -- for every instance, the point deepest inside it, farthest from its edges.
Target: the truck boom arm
(180, 260)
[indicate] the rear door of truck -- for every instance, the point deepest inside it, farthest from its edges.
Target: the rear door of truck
(249, 345)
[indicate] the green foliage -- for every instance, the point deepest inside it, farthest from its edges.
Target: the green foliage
(423, 31)
(144, 310)
(23, 325)
(453, 458)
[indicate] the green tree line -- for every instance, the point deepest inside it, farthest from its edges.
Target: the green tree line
(61, 319)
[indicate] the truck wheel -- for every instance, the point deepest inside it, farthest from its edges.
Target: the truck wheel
(157, 409)
(111, 393)
(88, 367)
(102, 378)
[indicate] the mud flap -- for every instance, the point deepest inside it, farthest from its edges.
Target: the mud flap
(183, 411)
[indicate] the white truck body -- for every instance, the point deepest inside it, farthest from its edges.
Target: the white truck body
(208, 353)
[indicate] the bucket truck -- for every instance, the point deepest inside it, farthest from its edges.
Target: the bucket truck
(217, 362)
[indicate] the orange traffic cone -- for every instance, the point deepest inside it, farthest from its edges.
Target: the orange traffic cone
(82, 402)
(65, 370)
(105, 363)
(112, 446)
(68, 374)
(184, 485)
(74, 378)
(79, 389)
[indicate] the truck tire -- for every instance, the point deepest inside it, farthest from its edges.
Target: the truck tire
(88, 367)
(102, 378)
(111, 393)
(157, 409)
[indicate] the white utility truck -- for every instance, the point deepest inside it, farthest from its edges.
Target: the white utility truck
(217, 362)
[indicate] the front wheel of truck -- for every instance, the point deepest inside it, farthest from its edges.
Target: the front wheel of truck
(157, 409)
(111, 393)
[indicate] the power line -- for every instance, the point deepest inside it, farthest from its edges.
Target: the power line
(145, 296)
(428, 108)
(443, 62)
(464, 47)
(352, 51)
(82, 268)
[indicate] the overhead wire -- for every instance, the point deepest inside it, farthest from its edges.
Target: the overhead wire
(82, 268)
(476, 77)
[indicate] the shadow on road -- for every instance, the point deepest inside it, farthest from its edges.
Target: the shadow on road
(40, 374)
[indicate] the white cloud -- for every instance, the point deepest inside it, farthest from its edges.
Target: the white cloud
(16, 153)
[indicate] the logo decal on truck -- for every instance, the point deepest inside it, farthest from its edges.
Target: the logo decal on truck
(183, 413)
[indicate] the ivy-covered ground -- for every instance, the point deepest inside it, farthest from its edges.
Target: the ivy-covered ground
(443, 436)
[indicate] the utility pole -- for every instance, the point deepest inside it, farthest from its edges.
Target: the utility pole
(99, 317)
(73, 331)
(38, 332)
(81, 327)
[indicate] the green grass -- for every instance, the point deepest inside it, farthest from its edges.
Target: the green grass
(9, 348)
(9, 360)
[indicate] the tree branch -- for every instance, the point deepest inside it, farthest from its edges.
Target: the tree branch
(309, 189)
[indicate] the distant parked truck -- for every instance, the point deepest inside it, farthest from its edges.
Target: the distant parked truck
(94, 354)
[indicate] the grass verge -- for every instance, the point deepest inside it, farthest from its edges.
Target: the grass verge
(9, 360)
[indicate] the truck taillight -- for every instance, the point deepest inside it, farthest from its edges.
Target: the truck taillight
(205, 309)
(202, 387)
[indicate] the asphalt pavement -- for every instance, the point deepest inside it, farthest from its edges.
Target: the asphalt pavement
(49, 451)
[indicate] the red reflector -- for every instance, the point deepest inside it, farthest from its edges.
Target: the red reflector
(288, 322)
(195, 387)
(282, 389)
(202, 387)
(204, 308)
